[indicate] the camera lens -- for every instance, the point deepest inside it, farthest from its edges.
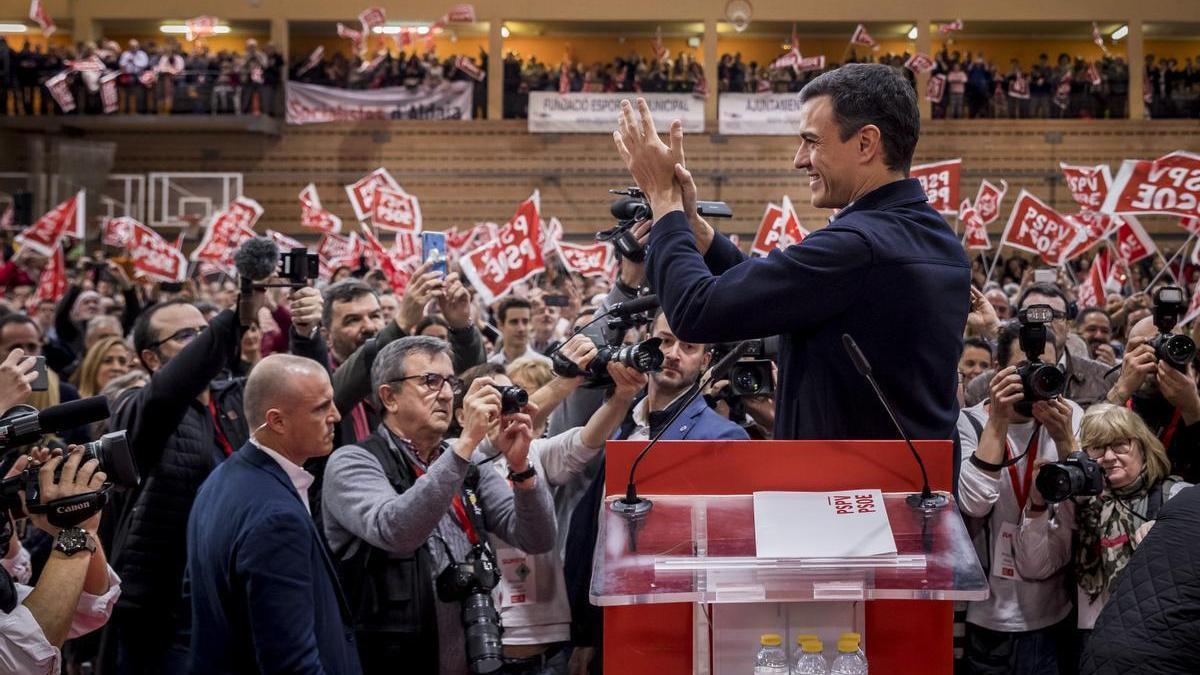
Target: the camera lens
(1059, 481)
(116, 459)
(481, 624)
(1045, 382)
(512, 399)
(1178, 350)
(644, 356)
(746, 380)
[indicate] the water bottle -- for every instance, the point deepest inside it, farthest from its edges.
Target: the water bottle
(810, 660)
(848, 661)
(771, 658)
(857, 638)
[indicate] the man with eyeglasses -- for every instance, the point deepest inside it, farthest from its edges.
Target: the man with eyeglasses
(1088, 381)
(405, 503)
(180, 426)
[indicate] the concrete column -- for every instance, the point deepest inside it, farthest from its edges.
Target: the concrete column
(1136, 49)
(495, 74)
(710, 75)
(280, 37)
(924, 46)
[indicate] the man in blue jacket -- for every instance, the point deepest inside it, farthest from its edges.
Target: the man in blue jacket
(887, 270)
(263, 589)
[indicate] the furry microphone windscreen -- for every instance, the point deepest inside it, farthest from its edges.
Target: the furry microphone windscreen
(256, 259)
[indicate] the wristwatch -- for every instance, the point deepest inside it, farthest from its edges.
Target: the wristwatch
(523, 476)
(72, 540)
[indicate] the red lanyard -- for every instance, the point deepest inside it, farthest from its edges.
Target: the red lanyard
(226, 447)
(1167, 434)
(1021, 490)
(460, 512)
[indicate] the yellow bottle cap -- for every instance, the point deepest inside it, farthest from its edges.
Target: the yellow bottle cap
(812, 647)
(847, 646)
(805, 637)
(772, 640)
(852, 636)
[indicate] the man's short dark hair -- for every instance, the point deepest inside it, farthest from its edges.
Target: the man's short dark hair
(430, 321)
(347, 290)
(1049, 290)
(143, 335)
(978, 343)
(16, 318)
(511, 303)
(1085, 313)
(872, 93)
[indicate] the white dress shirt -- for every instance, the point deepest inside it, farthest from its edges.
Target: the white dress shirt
(300, 478)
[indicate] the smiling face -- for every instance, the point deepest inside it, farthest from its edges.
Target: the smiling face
(830, 163)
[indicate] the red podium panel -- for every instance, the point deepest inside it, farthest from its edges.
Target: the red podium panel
(903, 636)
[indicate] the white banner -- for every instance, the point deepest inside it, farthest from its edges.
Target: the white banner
(313, 103)
(551, 112)
(759, 114)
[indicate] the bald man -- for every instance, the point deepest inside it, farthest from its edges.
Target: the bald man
(263, 590)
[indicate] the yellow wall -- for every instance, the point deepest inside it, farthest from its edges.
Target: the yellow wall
(765, 50)
(303, 45)
(216, 43)
(1176, 49)
(36, 39)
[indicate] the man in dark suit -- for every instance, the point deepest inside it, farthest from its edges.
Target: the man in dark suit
(263, 589)
(887, 270)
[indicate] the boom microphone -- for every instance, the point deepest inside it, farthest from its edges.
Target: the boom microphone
(634, 306)
(24, 424)
(926, 499)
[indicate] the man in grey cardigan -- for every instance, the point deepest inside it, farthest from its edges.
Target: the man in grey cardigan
(400, 506)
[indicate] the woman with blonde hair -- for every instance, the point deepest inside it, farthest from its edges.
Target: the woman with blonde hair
(105, 360)
(1110, 526)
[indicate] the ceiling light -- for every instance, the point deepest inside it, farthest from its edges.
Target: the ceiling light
(504, 32)
(912, 32)
(1120, 33)
(13, 28)
(180, 29)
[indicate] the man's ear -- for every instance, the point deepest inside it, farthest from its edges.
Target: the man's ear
(150, 358)
(870, 142)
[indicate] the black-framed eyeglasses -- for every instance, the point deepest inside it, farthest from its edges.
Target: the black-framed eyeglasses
(435, 381)
(184, 335)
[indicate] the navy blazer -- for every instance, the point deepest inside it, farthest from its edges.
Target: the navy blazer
(263, 589)
(888, 270)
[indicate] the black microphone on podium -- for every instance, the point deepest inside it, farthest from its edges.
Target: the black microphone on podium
(925, 500)
(631, 505)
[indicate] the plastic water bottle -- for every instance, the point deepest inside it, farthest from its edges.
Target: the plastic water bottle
(848, 662)
(771, 658)
(857, 638)
(811, 660)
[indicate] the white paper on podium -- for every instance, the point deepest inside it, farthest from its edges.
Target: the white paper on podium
(842, 524)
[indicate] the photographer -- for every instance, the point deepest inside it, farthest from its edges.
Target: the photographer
(1108, 527)
(405, 507)
(533, 602)
(1014, 630)
(76, 590)
(181, 425)
(1164, 397)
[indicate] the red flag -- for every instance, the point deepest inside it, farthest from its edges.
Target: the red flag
(226, 231)
(811, 63)
(392, 268)
(1091, 293)
(779, 228)
(354, 36)
(935, 91)
(920, 63)
(1133, 243)
(313, 216)
(39, 15)
(1093, 74)
(1088, 184)
(1095, 227)
(661, 53)
(199, 27)
(108, 92)
(336, 251)
(61, 91)
(314, 59)
(940, 182)
(461, 14)
(154, 257)
(52, 283)
(564, 79)
(1098, 38)
(1193, 307)
(511, 258)
(1192, 225)
(589, 260)
(92, 64)
(362, 191)
(370, 18)
(64, 220)
(862, 37)
(468, 67)
(117, 232)
(1019, 87)
(975, 234)
(395, 210)
(1035, 227)
(988, 199)
(948, 28)
(1169, 185)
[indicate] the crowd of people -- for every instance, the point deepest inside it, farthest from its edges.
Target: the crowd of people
(154, 78)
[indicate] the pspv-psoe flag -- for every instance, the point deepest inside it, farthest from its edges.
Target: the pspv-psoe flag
(511, 258)
(64, 220)
(1035, 227)
(1133, 243)
(975, 234)
(1169, 185)
(940, 182)
(154, 257)
(988, 199)
(590, 260)
(1089, 185)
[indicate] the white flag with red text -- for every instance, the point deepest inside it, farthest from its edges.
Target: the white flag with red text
(362, 191)
(590, 260)
(39, 15)
(862, 37)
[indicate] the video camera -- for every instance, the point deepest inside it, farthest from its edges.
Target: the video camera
(1177, 350)
(1040, 381)
(470, 582)
(1076, 476)
(752, 375)
(633, 208)
(645, 357)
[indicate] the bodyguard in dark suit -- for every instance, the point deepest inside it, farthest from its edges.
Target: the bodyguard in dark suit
(263, 590)
(887, 270)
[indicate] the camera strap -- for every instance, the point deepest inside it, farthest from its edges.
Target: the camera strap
(1165, 434)
(1021, 488)
(73, 510)
(469, 518)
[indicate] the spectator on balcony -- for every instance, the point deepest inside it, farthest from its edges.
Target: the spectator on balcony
(134, 61)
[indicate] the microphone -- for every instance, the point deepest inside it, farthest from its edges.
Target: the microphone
(634, 306)
(24, 424)
(926, 499)
(256, 259)
(634, 507)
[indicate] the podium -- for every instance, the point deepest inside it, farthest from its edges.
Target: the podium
(683, 591)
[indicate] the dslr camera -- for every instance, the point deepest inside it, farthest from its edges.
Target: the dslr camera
(1177, 350)
(470, 583)
(512, 399)
(1041, 381)
(752, 374)
(632, 208)
(645, 357)
(116, 461)
(1076, 476)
